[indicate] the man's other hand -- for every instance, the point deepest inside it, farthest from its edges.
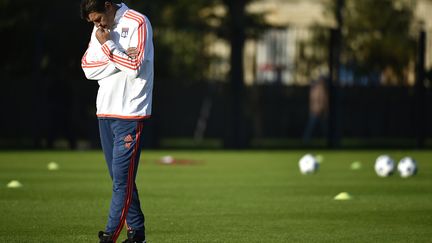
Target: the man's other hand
(132, 52)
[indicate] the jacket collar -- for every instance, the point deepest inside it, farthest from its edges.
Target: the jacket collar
(123, 8)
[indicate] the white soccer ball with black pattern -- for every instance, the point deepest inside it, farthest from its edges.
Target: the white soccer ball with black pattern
(308, 164)
(384, 166)
(407, 167)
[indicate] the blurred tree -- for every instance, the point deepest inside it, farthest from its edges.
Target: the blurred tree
(236, 136)
(236, 26)
(377, 36)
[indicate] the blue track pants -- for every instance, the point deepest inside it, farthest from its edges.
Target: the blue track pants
(121, 141)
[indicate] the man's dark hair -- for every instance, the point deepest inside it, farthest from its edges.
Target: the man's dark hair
(90, 6)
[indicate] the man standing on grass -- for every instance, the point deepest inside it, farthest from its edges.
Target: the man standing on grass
(120, 57)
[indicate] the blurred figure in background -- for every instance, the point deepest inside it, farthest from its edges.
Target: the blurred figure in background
(318, 108)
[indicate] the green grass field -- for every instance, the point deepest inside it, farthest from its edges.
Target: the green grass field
(226, 197)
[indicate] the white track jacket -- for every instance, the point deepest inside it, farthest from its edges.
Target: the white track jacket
(125, 84)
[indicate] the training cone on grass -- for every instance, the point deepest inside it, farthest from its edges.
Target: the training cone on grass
(14, 184)
(319, 158)
(343, 196)
(356, 165)
(53, 166)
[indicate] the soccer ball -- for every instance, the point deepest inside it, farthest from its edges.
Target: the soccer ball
(308, 164)
(407, 167)
(384, 166)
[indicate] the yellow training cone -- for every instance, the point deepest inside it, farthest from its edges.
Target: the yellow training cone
(319, 158)
(356, 165)
(343, 196)
(14, 184)
(53, 166)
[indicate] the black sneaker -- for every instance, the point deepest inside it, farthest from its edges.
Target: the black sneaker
(105, 237)
(133, 237)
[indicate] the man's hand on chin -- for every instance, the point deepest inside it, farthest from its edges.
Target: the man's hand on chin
(103, 35)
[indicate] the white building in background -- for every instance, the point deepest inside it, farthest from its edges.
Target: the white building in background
(275, 54)
(272, 58)
(423, 13)
(299, 13)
